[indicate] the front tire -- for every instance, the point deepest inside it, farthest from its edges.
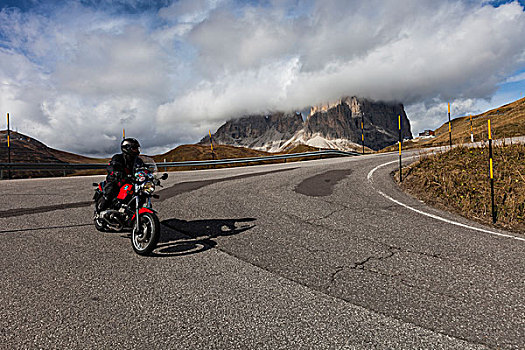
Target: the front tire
(146, 239)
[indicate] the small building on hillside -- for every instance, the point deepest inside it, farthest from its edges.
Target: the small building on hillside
(427, 133)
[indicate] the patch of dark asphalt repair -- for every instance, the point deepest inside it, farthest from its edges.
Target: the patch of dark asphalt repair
(322, 184)
(164, 194)
(184, 187)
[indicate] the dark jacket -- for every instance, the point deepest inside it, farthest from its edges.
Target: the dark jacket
(121, 166)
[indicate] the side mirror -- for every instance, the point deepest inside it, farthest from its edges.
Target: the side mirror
(164, 176)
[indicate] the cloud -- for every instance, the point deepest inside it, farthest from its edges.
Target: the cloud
(416, 53)
(74, 74)
(516, 78)
(433, 113)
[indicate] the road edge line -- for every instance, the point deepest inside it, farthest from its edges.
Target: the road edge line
(436, 217)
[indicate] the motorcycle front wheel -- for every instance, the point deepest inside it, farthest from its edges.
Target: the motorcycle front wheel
(146, 238)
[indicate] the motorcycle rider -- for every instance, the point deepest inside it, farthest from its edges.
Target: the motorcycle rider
(119, 169)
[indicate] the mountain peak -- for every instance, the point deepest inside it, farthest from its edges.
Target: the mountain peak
(335, 124)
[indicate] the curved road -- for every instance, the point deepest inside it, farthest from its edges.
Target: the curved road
(324, 254)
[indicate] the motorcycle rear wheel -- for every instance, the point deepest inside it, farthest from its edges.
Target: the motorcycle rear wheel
(146, 238)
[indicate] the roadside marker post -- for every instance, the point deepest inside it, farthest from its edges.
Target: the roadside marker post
(491, 170)
(400, 145)
(8, 147)
(471, 130)
(123, 133)
(449, 127)
(211, 145)
(362, 134)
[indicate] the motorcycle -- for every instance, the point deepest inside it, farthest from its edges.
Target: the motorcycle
(131, 210)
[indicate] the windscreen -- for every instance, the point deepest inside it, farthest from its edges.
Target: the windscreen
(147, 163)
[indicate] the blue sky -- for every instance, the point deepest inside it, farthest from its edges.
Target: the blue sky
(74, 73)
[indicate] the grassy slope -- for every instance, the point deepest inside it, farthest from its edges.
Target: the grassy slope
(203, 152)
(301, 149)
(506, 121)
(27, 149)
(458, 180)
(75, 158)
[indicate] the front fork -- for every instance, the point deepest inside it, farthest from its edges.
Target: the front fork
(137, 202)
(137, 217)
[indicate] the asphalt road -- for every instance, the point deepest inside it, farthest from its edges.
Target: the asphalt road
(314, 255)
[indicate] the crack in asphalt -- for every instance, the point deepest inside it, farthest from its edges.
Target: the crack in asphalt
(361, 265)
(325, 217)
(334, 274)
(333, 278)
(358, 266)
(390, 246)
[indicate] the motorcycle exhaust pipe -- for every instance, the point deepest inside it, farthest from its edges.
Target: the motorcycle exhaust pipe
(113, 220)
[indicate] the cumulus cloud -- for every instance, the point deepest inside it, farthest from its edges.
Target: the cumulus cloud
(422, 53)
(79, 73)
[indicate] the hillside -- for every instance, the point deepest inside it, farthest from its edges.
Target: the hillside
(457, 181)
(27, 149)
(506, 121)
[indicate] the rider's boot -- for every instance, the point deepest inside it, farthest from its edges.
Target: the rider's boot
(103, 205)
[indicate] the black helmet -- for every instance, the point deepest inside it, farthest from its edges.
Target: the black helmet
(130, 146)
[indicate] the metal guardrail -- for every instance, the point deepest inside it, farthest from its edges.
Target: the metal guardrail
(95, 166)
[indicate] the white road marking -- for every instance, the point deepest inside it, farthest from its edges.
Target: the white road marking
(370, 179)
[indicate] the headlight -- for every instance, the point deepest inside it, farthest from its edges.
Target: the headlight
(148, 187)
(140, 176)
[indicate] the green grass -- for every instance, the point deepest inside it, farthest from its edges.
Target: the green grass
(458, 180)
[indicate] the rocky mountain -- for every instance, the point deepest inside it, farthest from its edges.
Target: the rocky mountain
(262, 132)
(334, 125)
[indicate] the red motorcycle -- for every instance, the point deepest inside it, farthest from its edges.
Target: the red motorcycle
(132, 209)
